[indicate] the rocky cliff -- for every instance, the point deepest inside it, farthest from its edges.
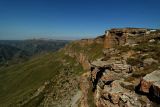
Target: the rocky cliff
(128, 73)
(120, 69)
(117, 67)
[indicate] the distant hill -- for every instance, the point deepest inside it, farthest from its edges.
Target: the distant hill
(8, 53)
(23, 49)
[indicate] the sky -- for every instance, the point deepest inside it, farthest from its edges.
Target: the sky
(73, 19)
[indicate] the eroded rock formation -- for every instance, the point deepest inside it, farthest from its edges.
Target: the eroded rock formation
(116, 37)
(107, 78)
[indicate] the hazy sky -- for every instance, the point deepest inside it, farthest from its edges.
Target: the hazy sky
(73, 19)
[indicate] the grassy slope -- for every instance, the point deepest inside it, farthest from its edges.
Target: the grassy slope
(23, 79)
(20, 81)
(93, 51)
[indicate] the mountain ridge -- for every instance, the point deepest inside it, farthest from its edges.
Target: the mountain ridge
(24, 49)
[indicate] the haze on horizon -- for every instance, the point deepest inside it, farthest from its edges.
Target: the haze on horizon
(73, 19)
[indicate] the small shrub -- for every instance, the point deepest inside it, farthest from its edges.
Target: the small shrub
(107, 57)
(134, 61)
(123, 48)
(129, 79)
(146, 70)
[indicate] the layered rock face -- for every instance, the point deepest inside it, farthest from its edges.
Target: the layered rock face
(116, 37)
(115, 82)
(80, 57)
(110, 87)
(113, 39)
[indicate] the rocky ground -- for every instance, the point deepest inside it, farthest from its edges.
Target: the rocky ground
(128, 75)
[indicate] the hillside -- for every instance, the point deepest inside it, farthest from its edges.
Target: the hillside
(117, 69)
(48, 79)
(8, 53)
(13, 51)
(27, 83)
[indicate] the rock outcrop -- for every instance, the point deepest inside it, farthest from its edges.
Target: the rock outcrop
(109, 85)
(120, 96)
(113, 39)
(111, 88)
(150, 84)
(111, 75)
(116, 37)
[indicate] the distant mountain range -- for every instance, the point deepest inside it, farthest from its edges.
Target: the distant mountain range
(22, 49)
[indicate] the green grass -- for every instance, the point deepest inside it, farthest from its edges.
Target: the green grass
(92, 51)
(123, 48)
(134, 61)
(35, 102)
(148, 69)
(19, 82)
(91, 98)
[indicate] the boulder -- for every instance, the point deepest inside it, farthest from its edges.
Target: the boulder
(148, 80)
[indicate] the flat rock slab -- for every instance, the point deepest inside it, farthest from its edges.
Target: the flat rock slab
(101, 63)
(149, 80)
